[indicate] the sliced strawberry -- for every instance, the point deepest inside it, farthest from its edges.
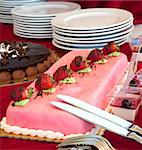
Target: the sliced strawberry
(61, 73)
(94, 55)
(78, 64)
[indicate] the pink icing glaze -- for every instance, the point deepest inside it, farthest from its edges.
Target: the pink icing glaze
(92, 88)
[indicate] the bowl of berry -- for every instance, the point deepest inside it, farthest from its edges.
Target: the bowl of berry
(126, 106)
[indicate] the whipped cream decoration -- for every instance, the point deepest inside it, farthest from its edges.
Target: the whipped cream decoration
(4, 48)
(41, 133)
(12, 50)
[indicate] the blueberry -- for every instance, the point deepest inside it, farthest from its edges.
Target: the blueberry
(126, 103)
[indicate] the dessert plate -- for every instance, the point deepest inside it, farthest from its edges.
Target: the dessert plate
(90, 37)
(44, 9)
(92, 40)
(121, 29)
(33, 20)
(33, 36)
(99, 45)
(6, 21)
(94, 30)
(2, 16)
(7, 5)
(81, 45)
(32, 31)
(31, 25)
(93, 18)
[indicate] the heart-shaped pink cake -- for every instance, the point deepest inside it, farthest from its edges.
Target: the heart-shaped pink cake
(39, 118)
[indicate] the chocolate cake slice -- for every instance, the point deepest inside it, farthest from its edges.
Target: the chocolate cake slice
(23, 61)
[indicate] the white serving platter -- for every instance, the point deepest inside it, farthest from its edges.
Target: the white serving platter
(75, 48)
(93, 18)
(44, 9)
(36, 28)
(84, 45)
(101, 34)
(6, 21)
(46, 20)
(93, 39)
(94, 30)
(16, 2)
(32, 18)
(31, 36)
(5, 16)
(33, 32)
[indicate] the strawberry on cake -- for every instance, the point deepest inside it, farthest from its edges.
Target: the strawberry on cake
(72, 75)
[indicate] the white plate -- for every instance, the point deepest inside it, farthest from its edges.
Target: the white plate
(93, 18)
(6, 21)
(5, 9)
(97, 41)
(6, 16)
(33, 25)
(75, 48)
(81, 44)
(93, 33)
(18, 2)
(33, 32)
(95, 30)
(33, 36)
(38, 28)
(45, 9)
(5, 12)
(33, 20)
(94, 39)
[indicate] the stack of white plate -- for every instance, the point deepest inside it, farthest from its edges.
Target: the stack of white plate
(7, 5)
(34, 20)
(91, 28)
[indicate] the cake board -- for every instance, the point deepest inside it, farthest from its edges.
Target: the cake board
(4, 134)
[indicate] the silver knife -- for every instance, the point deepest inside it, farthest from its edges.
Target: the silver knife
(99, 112)
(95, 119)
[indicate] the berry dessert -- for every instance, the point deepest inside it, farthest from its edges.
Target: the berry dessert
(126, 107)
(23, 61)
(135, 84)
(39, 118)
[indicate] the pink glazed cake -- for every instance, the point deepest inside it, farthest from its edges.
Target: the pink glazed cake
(39, 118)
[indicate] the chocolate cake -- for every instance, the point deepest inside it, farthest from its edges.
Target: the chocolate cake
(23, 61)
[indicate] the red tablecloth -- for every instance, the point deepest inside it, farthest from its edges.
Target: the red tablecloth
(7, 144)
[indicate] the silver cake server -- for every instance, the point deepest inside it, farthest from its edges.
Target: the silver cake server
(100, 117)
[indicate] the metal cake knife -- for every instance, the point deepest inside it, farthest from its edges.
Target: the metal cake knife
(100, 117)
